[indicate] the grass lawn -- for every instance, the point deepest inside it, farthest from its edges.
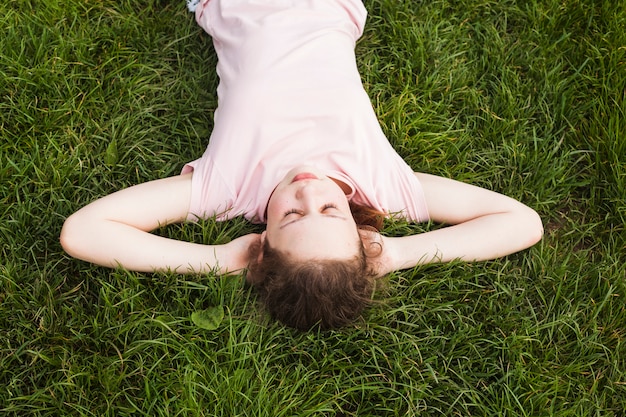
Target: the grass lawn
(525, 97)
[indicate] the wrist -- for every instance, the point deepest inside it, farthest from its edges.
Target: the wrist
(388, 260)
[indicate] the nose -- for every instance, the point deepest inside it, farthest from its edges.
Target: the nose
(306, 193)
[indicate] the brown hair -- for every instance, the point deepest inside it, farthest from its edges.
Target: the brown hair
(367, 216)
(322, 293)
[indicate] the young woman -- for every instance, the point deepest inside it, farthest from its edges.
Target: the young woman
(296, 145)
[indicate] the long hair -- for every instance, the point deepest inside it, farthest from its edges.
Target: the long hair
(316, 293)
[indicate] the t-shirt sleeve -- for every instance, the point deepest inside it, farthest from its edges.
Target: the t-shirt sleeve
(210, 194)
(398, 193)
(409, 201)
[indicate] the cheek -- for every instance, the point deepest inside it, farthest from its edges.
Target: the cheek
(277, 206)
(339, 197)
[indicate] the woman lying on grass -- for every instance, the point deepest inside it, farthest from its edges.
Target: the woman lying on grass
(296, 145)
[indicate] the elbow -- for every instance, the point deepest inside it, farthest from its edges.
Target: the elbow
(72, 236)
(533, 226)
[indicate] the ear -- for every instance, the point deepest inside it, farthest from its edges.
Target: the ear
(372, 241)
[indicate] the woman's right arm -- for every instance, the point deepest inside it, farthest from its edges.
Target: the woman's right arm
(114, 231)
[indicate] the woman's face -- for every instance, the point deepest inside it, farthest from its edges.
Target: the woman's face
(308, 217)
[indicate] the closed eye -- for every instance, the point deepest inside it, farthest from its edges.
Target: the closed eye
(292, 211)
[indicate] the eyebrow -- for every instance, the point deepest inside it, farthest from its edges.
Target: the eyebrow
(303, 218)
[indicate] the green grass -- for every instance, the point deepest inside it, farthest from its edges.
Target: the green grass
(524, 97)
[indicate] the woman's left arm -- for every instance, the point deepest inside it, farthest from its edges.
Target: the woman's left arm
(484, 225)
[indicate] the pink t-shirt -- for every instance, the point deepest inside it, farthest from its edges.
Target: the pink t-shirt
(290, 94)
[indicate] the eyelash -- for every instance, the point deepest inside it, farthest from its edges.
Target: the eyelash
(325, 207)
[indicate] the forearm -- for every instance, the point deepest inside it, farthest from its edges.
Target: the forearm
(483, 238)
(114, 244)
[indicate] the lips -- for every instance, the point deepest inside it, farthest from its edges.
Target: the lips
(304, 176)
